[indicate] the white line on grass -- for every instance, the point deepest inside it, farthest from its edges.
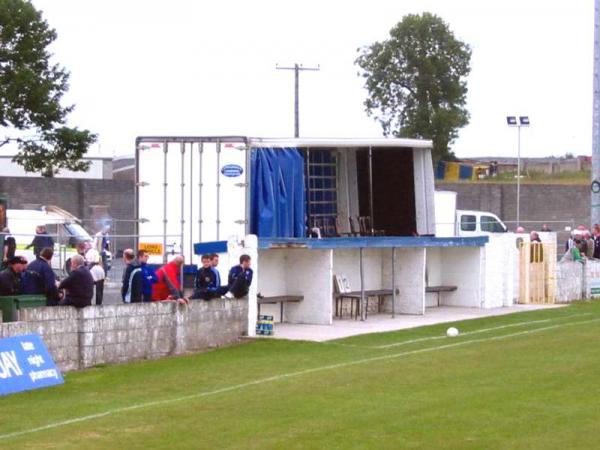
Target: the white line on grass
(281, 377)
(466, 333)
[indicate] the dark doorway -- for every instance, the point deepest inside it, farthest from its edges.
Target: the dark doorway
(393, 189)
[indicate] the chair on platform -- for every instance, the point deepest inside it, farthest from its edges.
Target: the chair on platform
(323, 226)
(366, 227)
(354, 226)
(338, 227)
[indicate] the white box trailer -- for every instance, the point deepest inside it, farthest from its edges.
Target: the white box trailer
(202, 189)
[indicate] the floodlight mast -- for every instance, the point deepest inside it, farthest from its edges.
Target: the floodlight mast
(521, 121)
(595, 195)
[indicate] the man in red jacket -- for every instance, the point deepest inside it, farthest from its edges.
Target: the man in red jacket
(168, 286)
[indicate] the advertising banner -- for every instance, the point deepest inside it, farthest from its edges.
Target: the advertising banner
(25, 364)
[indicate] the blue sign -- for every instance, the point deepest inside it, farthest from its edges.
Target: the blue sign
(232, 170)
(25, 364)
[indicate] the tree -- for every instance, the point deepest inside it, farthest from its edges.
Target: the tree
(416, 82)
(31, 89)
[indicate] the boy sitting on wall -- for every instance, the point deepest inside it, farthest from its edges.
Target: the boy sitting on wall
(240, 278)
(206, 283)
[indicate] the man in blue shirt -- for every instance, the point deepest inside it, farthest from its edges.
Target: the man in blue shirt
(240, 278)
(39, 278)
(146, 275)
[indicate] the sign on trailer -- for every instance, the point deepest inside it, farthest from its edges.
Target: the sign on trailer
(151, 248)
(25, 364)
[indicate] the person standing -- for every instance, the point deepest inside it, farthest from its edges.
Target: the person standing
(92, 259)
(590, 245)
(102, 244)
(574, 253)
(79, 285)
(146, 276)
(536, 251)
(10, 278)
(9, 249)
(131, 292)
(596, 237)
(41, 240)
(39, 278)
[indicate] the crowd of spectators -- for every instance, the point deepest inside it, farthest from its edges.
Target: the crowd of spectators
(583, 245)
(86, 274)
(38, 278)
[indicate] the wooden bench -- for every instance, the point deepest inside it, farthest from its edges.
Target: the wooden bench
(281, 299)
(440, 289)
(356, 295)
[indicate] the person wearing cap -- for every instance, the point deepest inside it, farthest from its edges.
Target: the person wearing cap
(10, 278)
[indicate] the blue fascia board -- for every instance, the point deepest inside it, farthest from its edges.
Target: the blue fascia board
(372, 242)
(210, 247)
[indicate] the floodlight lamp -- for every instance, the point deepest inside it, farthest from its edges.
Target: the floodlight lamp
(524, 121)
(511, 121)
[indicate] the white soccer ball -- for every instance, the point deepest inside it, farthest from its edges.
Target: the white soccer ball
(451, 332)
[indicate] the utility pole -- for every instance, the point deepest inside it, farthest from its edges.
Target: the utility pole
(297, 68)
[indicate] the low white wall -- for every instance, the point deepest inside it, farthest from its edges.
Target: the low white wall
(78, 339)
(501, 271)
(569, 281)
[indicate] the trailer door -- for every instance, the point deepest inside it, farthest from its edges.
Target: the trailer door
(190, 190)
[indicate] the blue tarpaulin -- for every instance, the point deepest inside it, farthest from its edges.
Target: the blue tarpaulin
(277, 191)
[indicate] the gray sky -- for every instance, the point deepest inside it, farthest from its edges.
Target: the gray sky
(208, 68)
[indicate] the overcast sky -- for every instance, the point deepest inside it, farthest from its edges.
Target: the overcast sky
(184, 67)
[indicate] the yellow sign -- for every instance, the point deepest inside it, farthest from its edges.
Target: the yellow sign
(151, 248)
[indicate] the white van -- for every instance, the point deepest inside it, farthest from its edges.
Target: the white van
(62, 226)
(477, 223)
(450, 221)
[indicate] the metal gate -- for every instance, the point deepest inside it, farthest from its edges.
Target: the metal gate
(537, 272)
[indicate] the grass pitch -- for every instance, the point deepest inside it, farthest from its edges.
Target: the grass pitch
(527, 380)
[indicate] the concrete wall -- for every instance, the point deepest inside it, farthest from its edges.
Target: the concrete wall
(569, 279)
(99, 168)
(78, 196)
(539, 202)
(574, 281)
(78, 339)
